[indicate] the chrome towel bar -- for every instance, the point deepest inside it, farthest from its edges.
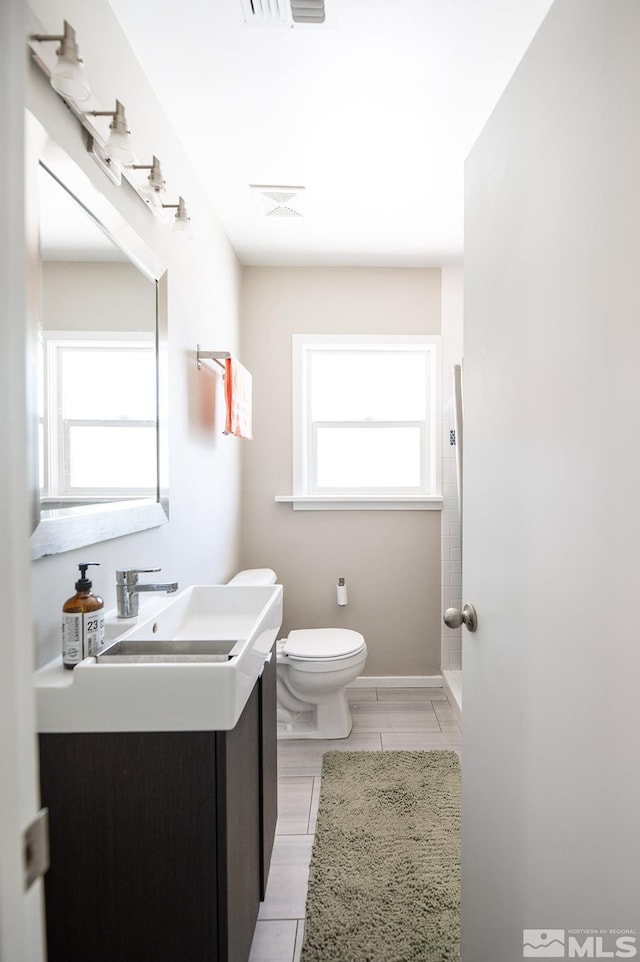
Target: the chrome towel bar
(217, 356)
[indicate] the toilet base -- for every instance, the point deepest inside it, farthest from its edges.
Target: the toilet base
(331, 718)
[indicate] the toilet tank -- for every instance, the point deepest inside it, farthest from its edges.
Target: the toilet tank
(254, 576)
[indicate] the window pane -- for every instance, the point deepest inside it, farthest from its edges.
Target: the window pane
(377, 386)
(122, 457)
(104, 384)
(373, 457)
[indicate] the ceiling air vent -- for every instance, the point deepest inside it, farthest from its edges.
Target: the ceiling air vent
(307, 11)
(278, 201)
(265, 14)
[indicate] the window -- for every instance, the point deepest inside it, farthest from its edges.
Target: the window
(101, 393)
(366, 417)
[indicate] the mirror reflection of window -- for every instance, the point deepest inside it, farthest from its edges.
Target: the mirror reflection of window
(98, 390)
(101, 422)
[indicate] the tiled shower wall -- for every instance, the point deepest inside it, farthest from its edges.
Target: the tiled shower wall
(452, 331)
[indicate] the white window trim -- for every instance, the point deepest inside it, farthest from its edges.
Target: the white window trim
(54, 342)
(362, 502)
(302, 499)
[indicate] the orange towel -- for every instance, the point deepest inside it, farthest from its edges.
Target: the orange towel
(237, 393)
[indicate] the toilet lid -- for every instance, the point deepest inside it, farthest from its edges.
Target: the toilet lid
(320, 643)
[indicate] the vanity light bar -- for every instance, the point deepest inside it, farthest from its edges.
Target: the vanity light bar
(104, 162)
(113, 154)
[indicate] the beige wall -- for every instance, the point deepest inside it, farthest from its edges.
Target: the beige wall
(96, 296)
(390, 559)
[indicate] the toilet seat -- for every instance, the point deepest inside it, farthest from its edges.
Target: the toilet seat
(323, 644)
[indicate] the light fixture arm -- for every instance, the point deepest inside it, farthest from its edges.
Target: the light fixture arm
(181, 219)
(119, 122)
(181, 209)
(157, 182)
(154, 166)
(68, 47)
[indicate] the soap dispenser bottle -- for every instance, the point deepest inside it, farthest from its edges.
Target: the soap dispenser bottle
(82, 622)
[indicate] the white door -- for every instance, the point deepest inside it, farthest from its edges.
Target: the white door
(551, 758)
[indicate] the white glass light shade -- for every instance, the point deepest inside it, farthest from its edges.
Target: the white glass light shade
(181, 222)
(119, 146)
(182, 229)
(155, 185)
(68, 79)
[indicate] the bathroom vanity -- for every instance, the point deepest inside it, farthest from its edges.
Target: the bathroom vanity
(160, 840)
(159, 773)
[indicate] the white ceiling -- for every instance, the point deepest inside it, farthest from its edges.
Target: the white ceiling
(373, 113)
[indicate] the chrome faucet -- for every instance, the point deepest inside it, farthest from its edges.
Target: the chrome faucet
(128, 589)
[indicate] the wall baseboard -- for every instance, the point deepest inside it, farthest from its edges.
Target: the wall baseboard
(397, 681)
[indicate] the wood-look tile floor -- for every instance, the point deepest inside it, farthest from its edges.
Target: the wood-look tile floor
(383, 719)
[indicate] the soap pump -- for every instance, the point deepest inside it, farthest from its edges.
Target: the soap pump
(82, 622)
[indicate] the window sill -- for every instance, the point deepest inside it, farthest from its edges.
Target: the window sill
(363, 502)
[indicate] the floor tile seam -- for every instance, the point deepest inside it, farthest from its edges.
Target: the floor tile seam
(442, 743)
(381, 719)
(434, 729)
(410, 704)
(295, 835)
(297, 945)
(420, 711)
(446, 712)
(311, 805)
(284, 918)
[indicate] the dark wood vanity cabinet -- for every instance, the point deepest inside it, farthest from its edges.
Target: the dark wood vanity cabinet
(160, 841)
(269, 765)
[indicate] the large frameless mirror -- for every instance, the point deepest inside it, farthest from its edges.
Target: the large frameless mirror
(98, 355)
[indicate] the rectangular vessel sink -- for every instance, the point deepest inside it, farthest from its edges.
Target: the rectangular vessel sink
(204, 613)
(189, 667)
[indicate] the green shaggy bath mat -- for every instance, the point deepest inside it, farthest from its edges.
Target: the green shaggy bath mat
(384, 884)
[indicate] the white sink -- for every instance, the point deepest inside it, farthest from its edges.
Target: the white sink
(189, 667)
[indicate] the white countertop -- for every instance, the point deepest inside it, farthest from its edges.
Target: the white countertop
(200, 696)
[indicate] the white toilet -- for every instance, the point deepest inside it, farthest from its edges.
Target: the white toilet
(314, 667)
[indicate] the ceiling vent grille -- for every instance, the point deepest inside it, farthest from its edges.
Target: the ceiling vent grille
(307, 11)
(278, 201)
(267, 14)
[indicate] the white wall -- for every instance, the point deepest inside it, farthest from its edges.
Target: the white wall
(21, 934)
(551, 774)
(200, 543)
(390, 559)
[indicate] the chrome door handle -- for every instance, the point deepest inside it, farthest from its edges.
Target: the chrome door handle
(468, 617)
